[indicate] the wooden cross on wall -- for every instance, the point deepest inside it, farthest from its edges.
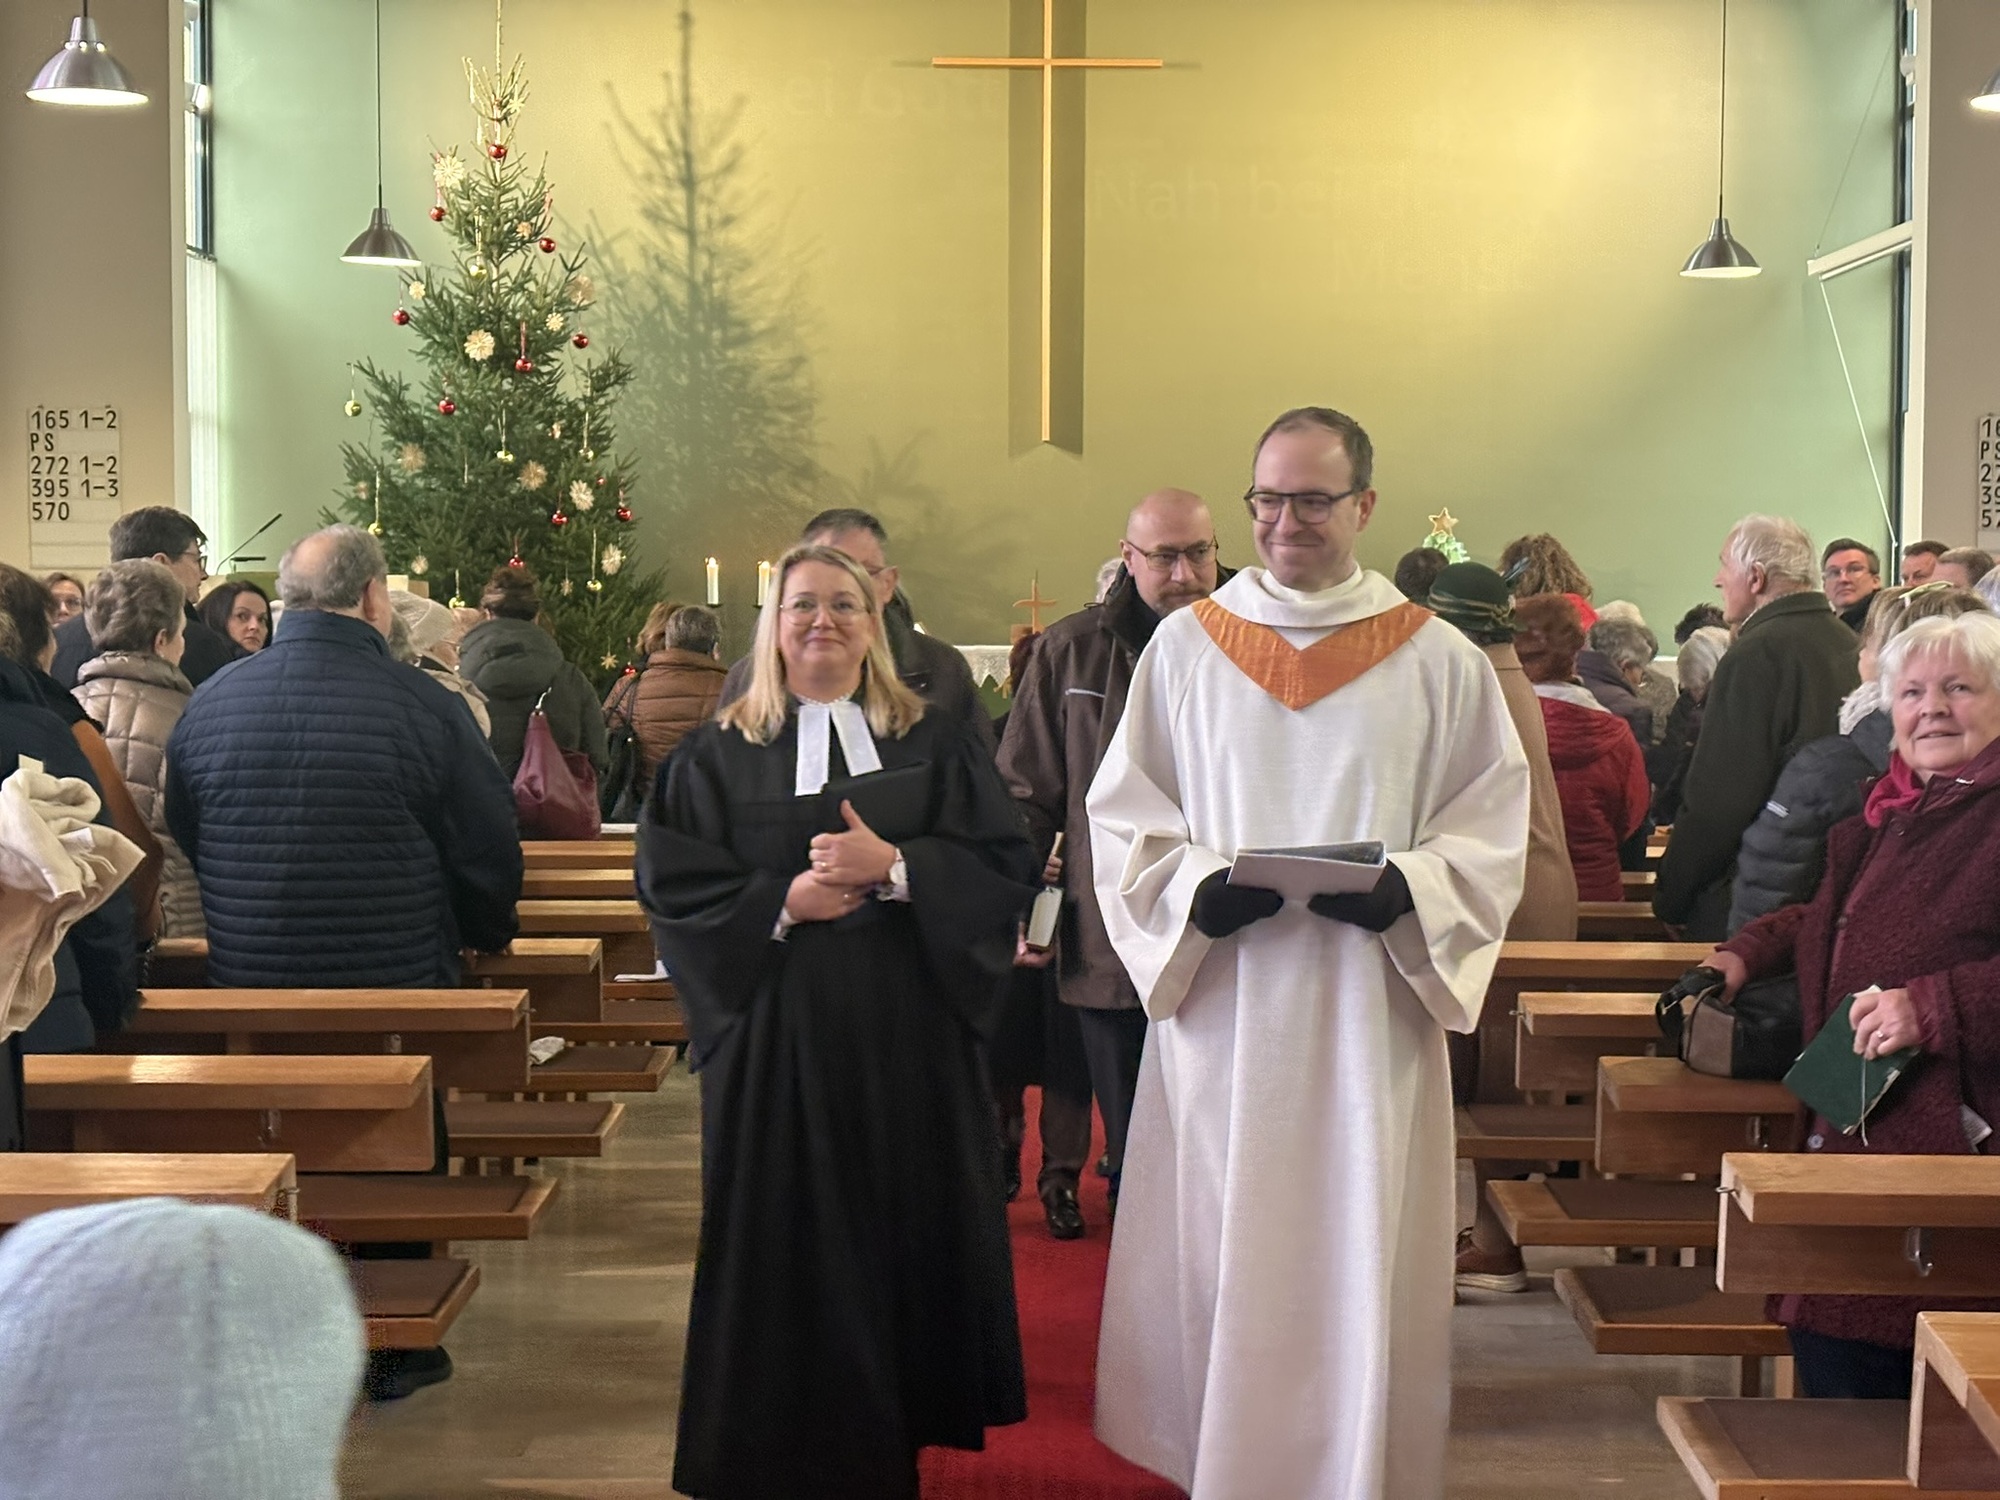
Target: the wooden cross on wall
(1058, 362)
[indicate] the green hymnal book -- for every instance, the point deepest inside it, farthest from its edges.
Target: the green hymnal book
(1836, 1081)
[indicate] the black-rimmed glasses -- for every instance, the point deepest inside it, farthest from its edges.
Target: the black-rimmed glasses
(1310, 506)
(1164, 560)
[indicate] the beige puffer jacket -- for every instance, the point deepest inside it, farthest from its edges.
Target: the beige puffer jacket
(137, 698)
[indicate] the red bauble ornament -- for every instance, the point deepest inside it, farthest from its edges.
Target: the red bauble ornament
(548, 245)
(400, 316)
(600, 481)
(525, 365)
(437, 214)
(624, 513)
(516, 561)
(559, 519)
(630, 671)
(582, 341)
(447, 406)
(498, 151)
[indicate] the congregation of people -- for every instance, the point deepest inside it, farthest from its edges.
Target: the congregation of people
(838, 852)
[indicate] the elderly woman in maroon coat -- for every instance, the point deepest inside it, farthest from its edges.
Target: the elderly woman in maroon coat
(1910, 903)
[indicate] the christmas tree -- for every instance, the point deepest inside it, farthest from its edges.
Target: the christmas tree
(501, 452)
(1444, 538)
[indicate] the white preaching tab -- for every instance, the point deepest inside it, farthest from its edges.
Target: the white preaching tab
(1312, 870)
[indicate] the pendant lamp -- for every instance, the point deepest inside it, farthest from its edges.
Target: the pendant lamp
(1988, 98)
(1721, 255)
(84, 73)
(379, 244)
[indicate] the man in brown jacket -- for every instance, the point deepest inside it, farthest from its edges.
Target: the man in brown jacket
(1064, 713)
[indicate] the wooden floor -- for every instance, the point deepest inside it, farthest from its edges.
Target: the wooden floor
(569, 1362)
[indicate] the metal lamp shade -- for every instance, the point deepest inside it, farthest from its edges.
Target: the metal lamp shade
(1988, 98)
(1721, 256)
(380, 245)
(84, 73)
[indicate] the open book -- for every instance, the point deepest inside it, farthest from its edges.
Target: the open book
(1311, 870)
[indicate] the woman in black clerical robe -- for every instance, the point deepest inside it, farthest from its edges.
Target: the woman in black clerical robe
(853, 1292)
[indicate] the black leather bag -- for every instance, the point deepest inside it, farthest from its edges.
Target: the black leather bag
(1756, 1035)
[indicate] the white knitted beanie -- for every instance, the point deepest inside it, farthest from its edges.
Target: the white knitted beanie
(153, 1349)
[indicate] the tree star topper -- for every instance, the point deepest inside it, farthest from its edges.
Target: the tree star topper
(1444, 523)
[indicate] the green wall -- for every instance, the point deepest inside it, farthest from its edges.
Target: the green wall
(1459, 221)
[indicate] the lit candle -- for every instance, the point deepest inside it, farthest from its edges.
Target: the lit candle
(714, 582)
(763, 583)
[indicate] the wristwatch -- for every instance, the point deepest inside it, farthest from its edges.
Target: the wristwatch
(897, 886)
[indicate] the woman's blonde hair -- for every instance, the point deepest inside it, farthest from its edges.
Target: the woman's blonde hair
(759, 715)
(1894, 610)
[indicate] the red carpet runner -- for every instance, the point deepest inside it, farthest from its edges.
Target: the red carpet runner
(1060, 1287)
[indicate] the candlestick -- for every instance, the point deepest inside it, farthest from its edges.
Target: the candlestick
(714, 582)
(763, 583)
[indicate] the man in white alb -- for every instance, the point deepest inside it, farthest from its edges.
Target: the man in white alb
(1277, 1317)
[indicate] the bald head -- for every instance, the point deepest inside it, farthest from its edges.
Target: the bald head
(340, 571)
(1169, 549)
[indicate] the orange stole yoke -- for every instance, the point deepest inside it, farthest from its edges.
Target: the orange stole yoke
(1298, 679)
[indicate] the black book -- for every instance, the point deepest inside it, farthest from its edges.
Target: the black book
(896, 804)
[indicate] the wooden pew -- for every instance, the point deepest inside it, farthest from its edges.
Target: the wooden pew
(334, 1114)
(579, 854)
(35, 1182)
(1658, 1117)
(416, 1207)
(620, 924)
(1854, 1225)
(564, 977)
(1674, 1310)
(578, 884)
(411, 1304)
(1955, 1399)
(1639, 885)
(1562, 1034)
(516, 1130)
(1625, 921)
(476, 1039)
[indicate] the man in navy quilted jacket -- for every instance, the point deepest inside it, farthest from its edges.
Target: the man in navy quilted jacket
(345, 818)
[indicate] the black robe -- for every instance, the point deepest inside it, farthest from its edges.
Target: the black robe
(853, 1293)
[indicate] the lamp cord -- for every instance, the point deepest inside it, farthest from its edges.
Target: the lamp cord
(379, 103)
(1723, 113)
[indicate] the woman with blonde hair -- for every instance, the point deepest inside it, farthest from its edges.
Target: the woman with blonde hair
(834, 879)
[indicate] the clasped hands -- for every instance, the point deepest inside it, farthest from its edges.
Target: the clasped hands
(1220, 908)
(845, 867)
(1884, 1021)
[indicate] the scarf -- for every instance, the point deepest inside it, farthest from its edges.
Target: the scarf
(1897, 791)
(818, 723)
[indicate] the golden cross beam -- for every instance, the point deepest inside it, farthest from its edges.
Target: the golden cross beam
(1034, 604)
(1048, 62)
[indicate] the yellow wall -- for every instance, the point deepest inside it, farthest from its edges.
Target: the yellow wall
(1459, 221)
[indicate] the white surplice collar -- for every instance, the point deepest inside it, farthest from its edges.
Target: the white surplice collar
(1256, 596)
(818, 723)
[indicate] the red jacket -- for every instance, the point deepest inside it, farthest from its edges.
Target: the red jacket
(1601, 782)
(1914, 903)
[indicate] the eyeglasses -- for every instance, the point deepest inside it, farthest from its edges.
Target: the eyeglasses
(1310, 506)
(1846, 570)
(1166, 559)
(803, 607)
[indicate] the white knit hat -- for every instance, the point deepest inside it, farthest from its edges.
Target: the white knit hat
(429, 621)
(153, 1349)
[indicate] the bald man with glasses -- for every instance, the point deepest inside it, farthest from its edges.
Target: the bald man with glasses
(1065, 710)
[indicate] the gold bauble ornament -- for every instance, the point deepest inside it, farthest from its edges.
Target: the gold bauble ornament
(505, 456)
(456, 601)
(353, 407)
(374, 528)
(596, 585)
(589, 453)
(476, 270)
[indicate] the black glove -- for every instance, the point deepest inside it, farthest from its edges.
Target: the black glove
(1375, 910)
(1221, 908)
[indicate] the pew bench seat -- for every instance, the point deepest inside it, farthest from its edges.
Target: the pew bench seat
(601, 1069)
(1524, 1132)
(36, 1182)
(414, 1207)
(411, 1304)
(1623, 921)
(507, 1130)
(657, 1021)
(1955, 1416)
(1671, 1310)
(578, 854)
(1606, 1212)
(601, 882)
(1748, 1449)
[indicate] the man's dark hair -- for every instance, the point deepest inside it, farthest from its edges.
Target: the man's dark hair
(1917, 549)
(1699, 618)
(154, 530)
(842, 519)
(1417, 570)
(1353, 439)
(1849, 544)
(1976, 562)
(27, 602)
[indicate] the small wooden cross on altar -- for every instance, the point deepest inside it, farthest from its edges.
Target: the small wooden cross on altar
(1033, 604)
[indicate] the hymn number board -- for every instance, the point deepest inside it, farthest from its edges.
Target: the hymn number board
(74, 482)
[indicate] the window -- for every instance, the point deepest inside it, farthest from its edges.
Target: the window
(198, 69)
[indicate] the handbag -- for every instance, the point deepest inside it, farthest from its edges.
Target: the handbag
(622, 789)
(1757, 1034)
(555, 790)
